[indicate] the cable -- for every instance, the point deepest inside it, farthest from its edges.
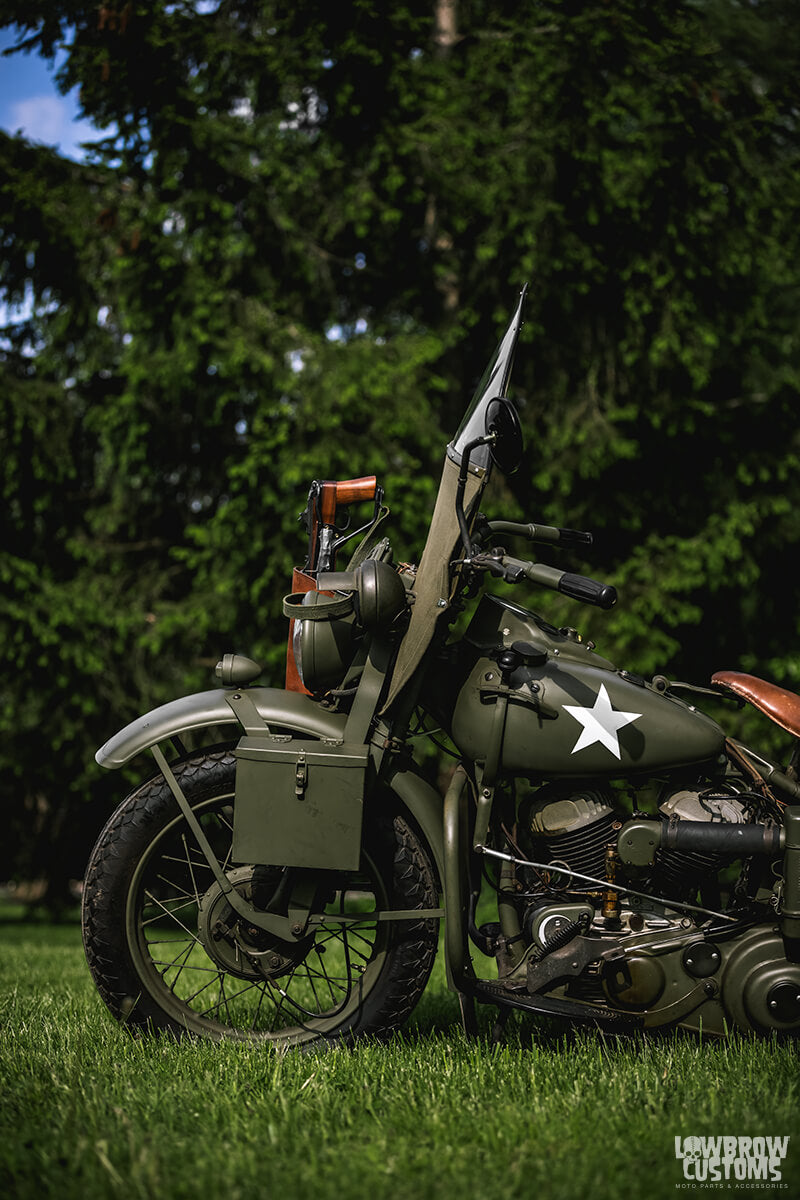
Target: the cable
(604, 884)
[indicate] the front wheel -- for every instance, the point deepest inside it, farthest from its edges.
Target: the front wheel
(167, 951)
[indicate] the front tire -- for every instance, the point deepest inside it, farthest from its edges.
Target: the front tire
(167, 953)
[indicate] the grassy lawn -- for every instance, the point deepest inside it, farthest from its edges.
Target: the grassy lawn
(88, 1111)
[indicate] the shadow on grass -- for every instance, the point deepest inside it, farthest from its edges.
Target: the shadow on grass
(438, 1016)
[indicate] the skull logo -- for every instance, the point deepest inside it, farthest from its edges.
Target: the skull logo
(692, 1148)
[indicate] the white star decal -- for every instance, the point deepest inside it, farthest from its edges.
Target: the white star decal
(600, 723)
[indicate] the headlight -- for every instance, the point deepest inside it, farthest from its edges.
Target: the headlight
(323, 649)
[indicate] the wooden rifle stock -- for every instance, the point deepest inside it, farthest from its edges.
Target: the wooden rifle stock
(323, 500)
(345, 491)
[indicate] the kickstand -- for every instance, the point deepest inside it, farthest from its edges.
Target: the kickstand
(499, 1026)
(469, 1020)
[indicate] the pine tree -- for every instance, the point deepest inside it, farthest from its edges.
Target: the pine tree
(289, 258)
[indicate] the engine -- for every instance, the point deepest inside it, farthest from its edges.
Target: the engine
(604, 946)
(679, 874)
(574, 828)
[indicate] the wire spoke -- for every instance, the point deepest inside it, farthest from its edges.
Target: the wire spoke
(311, 984)
(188, 999)
(278, 1005)
(220, 998)
(338, 937)
(189, 865)
(226, 999)
(185, 956)
(168, 912)
(323, 974)
(317, 987)
(257, 1013)
(337, 934)
(328, 977)
(171, 911)
(160, 962)
(199, 864)
(306, 1012)
(214, 1008)
(223, 820)
(254, 983)
(168, 941)
(181, 891)
(355, 933)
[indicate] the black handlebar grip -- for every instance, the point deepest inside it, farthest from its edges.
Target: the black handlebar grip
(588, 591)
(574, 537)
(722, 838)
(550, 534)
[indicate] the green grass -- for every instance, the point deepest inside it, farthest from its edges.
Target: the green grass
(87, 1110)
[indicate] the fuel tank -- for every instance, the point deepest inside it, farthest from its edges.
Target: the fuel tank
(570, 711)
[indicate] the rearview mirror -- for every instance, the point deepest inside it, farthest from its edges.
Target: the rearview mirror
(507, 446)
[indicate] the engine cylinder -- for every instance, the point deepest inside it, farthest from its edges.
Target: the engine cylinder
(680, 872)
(573, 828)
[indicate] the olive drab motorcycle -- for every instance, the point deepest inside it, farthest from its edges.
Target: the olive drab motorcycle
(285, 880)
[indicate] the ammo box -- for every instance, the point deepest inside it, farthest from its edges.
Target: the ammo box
(299, 804)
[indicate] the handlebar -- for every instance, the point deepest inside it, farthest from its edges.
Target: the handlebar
(577, 587)
(549, 534)
(588, 591)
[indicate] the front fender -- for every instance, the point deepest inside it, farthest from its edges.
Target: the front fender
(292, 710)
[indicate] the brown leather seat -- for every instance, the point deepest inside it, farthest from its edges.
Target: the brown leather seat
(781, 706)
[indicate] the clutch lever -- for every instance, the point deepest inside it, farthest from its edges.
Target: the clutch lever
(577, 587)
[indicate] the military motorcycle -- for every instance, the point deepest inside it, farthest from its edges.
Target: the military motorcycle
(284, 874)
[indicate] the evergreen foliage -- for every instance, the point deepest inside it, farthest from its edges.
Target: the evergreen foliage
(289, 257)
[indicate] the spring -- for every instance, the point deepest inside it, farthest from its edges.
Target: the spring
(561, 937)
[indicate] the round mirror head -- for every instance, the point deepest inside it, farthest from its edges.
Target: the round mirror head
(502, 420)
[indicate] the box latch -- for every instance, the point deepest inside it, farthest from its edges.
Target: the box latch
(301, 776)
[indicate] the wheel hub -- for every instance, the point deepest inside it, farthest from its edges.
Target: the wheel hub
(238, 947)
